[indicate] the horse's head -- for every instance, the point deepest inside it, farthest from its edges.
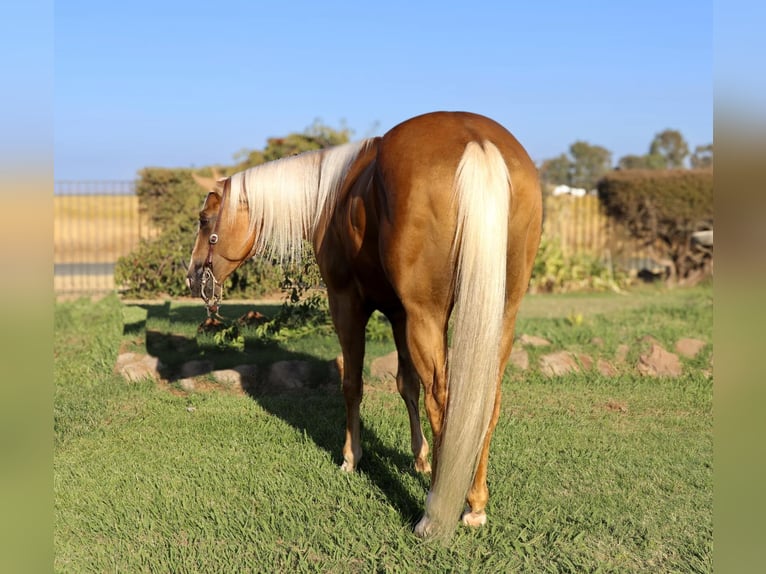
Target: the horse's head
(222, 243)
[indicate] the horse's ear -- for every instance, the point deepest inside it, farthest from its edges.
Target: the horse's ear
(206, 183)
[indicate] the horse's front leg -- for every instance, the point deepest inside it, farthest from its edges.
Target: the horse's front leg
(350, 319)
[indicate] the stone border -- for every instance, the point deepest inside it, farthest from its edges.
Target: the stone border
(293, 375)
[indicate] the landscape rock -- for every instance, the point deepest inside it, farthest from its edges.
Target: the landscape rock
(195, 368)
(658, 362)
(689, 348)
(385, 367)
(186, 384)
(124, 359)
(606, 368)
(137, 366)
(241, 377)
(586, 361)
(558, 363)
(228, 377)
(533, 341)
(248, 376)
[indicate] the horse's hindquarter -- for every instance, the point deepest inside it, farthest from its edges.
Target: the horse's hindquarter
(417, 164)
(391, 232)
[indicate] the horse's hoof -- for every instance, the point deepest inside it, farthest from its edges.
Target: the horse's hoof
(474, 519)
(347, 466)
(424, 528)
(423, 466)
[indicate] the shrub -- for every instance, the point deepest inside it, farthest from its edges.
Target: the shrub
(170, 197)
(661, 209)
(157, 267)
(554, 271)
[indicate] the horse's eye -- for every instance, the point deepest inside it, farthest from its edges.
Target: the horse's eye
(203, 222)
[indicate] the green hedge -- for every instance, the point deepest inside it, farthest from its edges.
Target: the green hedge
(662, 208)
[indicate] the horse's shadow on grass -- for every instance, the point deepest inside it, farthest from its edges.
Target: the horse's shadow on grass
(316, 408)
(381, 463)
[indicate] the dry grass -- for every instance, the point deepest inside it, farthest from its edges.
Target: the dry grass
(101, 228)
(96, 228)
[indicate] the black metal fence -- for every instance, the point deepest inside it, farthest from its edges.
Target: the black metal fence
(94, 223)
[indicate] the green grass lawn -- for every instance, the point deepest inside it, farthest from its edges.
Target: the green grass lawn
(587, 473)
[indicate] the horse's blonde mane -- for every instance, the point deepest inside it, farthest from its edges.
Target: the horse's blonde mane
(286, 198)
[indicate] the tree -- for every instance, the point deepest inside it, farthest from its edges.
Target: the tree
(702, 156)
(632, 161)
(590, 163)
(557, 170)
(671, 147)
(646, 161)
(317, 136)
(583, 167)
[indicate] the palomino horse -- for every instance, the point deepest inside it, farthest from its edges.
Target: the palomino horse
(443, 212)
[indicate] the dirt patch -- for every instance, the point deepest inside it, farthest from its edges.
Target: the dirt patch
(616, 406)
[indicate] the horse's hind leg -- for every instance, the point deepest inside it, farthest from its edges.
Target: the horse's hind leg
(408, 384)
(426, 343)
(478, 494)
(350, 319)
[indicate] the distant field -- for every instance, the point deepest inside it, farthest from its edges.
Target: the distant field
(101, 228)
(96, 228)
(92, 230)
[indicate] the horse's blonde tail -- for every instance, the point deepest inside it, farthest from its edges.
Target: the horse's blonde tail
(483, 196)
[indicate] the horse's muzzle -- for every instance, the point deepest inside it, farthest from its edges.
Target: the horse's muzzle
(202, 283)
(194, 281)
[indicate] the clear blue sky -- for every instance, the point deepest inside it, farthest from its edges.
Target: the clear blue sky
(180, 84)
